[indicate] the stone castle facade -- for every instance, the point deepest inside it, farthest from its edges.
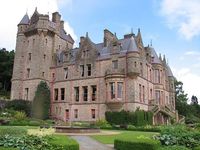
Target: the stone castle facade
(85, 82)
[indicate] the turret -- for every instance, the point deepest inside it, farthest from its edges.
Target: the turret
(23, 23)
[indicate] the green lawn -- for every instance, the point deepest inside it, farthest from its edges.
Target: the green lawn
(109, 139)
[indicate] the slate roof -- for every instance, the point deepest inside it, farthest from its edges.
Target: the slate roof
(25, 20)
(169, 71)
(156, 60)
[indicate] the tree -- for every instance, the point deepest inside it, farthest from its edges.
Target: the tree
(41, 101)
(6, 67)
(194, 100)
(181, 98)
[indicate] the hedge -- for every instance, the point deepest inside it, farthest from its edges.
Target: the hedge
(136, 144)
(174, 147)
(62, 142)
(8, 148)
(137, 118)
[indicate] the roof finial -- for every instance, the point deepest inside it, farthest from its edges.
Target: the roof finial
(151, 42)
(86, 34)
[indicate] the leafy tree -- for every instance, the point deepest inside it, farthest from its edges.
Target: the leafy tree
(194, 100)
(181, 98)
(6, 67)
(41, 101)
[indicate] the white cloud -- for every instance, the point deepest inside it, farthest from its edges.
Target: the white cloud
(183, 15)
(191, 81)
(11, 13)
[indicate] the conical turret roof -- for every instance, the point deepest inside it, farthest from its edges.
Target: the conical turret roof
(25, 20)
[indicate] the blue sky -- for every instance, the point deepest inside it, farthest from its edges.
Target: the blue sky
(172, 25)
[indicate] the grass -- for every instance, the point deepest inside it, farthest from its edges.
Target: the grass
(62, 140)
(109, 139)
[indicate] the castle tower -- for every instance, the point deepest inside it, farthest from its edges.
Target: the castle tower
(38, 40)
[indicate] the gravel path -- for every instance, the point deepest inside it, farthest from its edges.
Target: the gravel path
(87, 143)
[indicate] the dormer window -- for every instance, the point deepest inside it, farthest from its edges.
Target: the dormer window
(89, 69)
(65, 73)
(115, 64)
(82, 70)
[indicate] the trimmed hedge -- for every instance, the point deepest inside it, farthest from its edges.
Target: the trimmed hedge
(62, 142)
(174, 147)
(137, 118)
(136, 144)
(197, 148)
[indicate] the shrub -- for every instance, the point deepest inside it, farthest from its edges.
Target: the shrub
(103, 124)
(179, 135)
(41, 101)
(174, 147)
(197, 148)
(14, 131)
(147, 128)
(137, 118)
(19, 105)
(136, 144)
(8, 148)
(20, 115)
(62, 142)
(15, 122)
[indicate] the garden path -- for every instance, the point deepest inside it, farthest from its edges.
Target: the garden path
(87, 143)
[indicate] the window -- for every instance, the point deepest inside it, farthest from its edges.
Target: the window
(67, 114)
(53, 75)
(62, 94)
(93, 113)
(112, 90)
(83, 54)
(143, 94)
(75, 113)
(157, 76)
(33, 41)
(140, 92)
(28, 72)
(29, 56)
(65, 73)
(42, 74)
(150, 75)
(157, 94)
(94, 90)
(89, 69)
(76, 94)
(26, 93)
(44, 56)
(151, 94)
(85, 93)
(119, 89)
(115, 64)
(56, 94)
(141, 69)
(82, 70)
(87, 53)
(135, 64)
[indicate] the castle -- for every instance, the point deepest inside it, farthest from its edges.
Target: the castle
(85, 82)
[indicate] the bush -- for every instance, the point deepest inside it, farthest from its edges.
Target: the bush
(14, 131)
(136, 144)
(19, 105)
(15, 122)
(20, 115)
(41, 101)
(174, 147)
(197, 148)
(146, 128)
(137, 118)
(103, 124)
(62, 142)
(179, 135)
